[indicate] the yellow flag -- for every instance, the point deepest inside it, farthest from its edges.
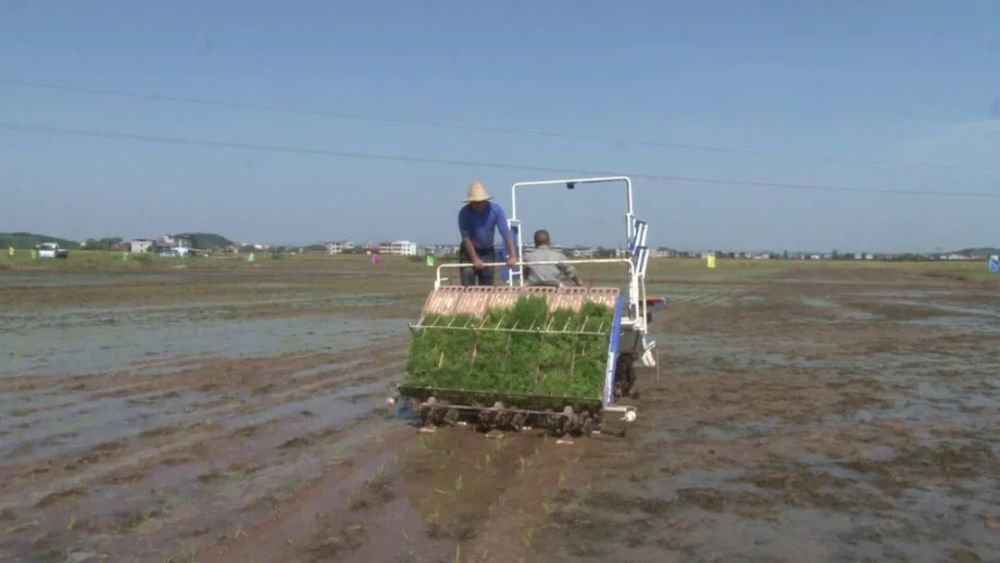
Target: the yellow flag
(710, 261)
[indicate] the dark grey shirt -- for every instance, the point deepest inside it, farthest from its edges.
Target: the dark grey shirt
(547, 273)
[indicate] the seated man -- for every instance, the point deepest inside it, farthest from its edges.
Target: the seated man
(548, 274)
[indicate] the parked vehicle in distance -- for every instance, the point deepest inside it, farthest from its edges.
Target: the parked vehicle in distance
(52, 250)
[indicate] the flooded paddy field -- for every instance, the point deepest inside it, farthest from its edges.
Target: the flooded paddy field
(801, 412)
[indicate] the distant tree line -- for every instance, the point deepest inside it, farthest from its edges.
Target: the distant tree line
(31, 240)
(107, 243)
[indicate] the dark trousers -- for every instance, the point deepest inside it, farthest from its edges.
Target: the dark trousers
(471, 276)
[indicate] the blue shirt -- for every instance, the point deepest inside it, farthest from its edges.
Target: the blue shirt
(479, 227)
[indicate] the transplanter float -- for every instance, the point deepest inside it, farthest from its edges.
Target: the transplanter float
(515, 355)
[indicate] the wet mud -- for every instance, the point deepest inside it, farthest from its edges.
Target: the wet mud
(834, 415)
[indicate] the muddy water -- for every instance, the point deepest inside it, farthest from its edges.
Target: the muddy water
(144, 338)
(849, 428)
(812, 419)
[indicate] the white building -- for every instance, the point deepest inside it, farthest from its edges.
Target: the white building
(138, 246)
(339, 247)
(398, 248)
(172, 241)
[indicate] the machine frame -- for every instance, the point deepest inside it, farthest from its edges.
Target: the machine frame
(630, 339)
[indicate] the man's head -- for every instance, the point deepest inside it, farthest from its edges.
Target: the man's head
(478, 198)
(542, 238)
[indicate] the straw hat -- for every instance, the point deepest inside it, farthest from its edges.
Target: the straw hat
(477, 192)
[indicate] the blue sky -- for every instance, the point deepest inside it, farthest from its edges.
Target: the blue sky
(899, 81)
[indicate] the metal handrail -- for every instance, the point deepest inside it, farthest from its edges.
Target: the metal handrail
(629, 207)
(458, 266)
(469, 328)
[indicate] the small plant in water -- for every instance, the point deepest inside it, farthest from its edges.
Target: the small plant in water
(548, 506)
(528, 536)
(378, 482)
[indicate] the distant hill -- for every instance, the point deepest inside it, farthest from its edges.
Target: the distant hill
(31, 240)
(981, 252)
(206, 241)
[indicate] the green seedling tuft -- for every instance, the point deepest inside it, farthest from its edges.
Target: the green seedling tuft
(541, 364)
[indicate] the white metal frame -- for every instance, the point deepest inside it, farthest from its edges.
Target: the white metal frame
(638, 256)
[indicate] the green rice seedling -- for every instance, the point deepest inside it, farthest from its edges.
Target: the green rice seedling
(518, 350)
(528, 536)
(492, 345)
(548, 506)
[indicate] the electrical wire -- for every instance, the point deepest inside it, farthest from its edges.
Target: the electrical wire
(108, 135)
(482, 128)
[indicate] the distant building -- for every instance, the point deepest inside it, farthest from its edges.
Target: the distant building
(339, 247)
(138, 246)
(398, 248)
(171, 241)
(404, 248)
(442, 249)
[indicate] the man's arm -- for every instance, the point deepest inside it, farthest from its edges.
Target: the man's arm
(568, 270)
(470, 249)
(506, 234)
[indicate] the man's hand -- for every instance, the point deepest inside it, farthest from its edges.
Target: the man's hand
(511, 261)
(478, 264)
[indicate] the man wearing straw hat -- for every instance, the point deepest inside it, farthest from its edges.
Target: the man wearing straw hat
(478, 220)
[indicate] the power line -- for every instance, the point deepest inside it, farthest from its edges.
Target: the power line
(90, 133)
(482, 128)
